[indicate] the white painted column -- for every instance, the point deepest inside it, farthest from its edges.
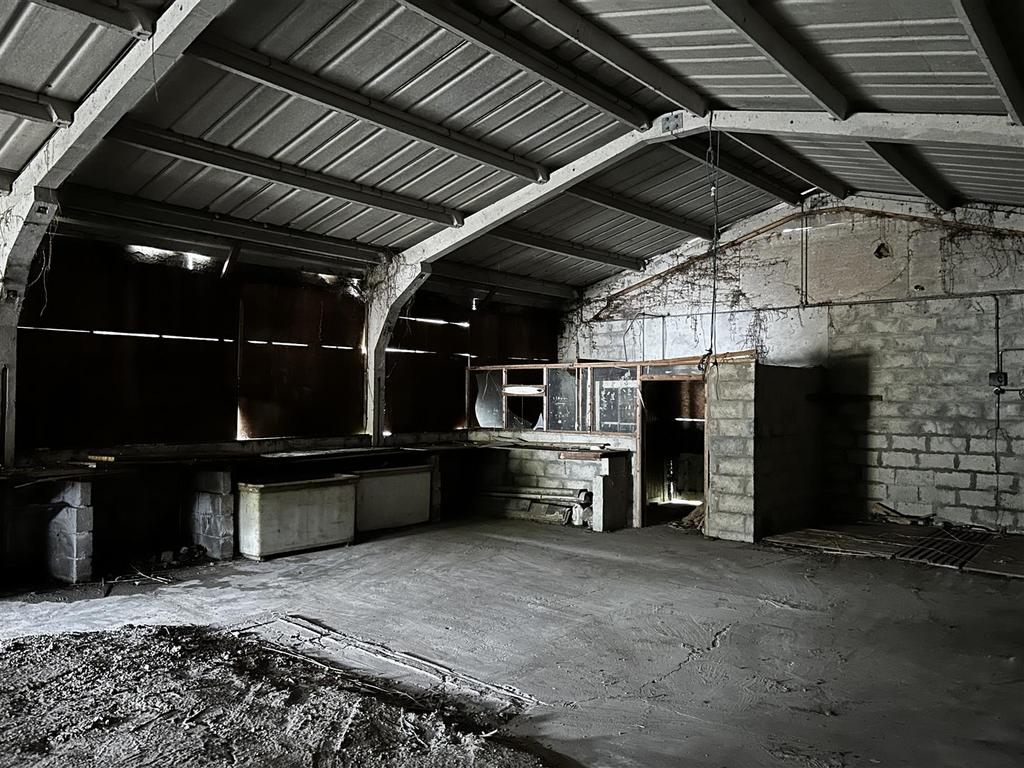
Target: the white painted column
(388, 289)
(24, 219)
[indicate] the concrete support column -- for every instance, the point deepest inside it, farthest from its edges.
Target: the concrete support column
(389, 288)
(729, 435)
(69, 535)
(24, 219)
(213, 514)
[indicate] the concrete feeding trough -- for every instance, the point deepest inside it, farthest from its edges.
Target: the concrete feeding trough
(392, 498)
(275, 518)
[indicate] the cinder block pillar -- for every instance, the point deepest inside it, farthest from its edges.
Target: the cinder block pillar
(69, 536)
(729, 501)
(213, 514)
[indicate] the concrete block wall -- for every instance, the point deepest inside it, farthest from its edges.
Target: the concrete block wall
(541, 468)
(540, 471)
(69, 533)
(729, 432)
(213, 514)
(915, 420)
(907, 334)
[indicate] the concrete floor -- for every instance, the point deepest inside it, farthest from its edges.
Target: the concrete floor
(652, 647)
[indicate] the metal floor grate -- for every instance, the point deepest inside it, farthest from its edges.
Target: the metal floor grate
(946, 548)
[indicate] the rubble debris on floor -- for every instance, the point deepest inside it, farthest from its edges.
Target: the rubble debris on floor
(189, 696)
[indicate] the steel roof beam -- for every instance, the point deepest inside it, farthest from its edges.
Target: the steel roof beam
(696, 149)
(892, 127)
(87, 203)
(120, 16)
(763, 36)
(126, 82)
(565, 248)
(467, 273)
(606, 198)
(524, 54)
(908, 164)
(259, 68)
(981, 130)
(592, 38)
(792, 163)
(37, 107)
(211, 155)
(992, 46)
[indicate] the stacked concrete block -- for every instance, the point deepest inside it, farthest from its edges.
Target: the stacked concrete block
(213, 514)
(69, 534)
(729, 432)
(544, 479)
(919, 431)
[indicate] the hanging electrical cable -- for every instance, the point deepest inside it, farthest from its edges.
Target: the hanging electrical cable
(711, 169)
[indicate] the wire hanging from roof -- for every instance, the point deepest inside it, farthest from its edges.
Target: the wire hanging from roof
(711, 168)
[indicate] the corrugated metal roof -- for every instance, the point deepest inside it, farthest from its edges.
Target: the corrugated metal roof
(884, 55)
(907, 56)
(52, 53)
(980, 173)
(382, 51)
(656, 176)
(690, 40)
(852, 162)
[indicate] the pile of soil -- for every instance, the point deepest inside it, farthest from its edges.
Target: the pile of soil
(191, 697)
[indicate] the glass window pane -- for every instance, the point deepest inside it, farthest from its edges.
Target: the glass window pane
(487, 405)
(615, 399)
(562, 405)
(525, 412)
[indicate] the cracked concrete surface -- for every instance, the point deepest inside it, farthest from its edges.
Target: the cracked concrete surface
(651, 647)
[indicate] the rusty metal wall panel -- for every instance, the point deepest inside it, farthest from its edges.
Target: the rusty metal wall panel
(292, 381)
(299, 391)
(84, 390)
(114, 350)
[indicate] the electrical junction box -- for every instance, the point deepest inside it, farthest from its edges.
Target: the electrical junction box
(997, 379)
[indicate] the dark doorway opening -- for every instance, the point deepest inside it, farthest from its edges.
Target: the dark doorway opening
(672, 448)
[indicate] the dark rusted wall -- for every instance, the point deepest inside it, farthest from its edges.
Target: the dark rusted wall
(88, 389)
(85, 389)
(426, 392)
(77, 390)
(313, 390)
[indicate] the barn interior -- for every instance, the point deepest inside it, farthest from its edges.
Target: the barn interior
(511, 382)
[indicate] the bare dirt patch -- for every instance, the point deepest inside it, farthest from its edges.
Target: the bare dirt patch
(191, 697)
